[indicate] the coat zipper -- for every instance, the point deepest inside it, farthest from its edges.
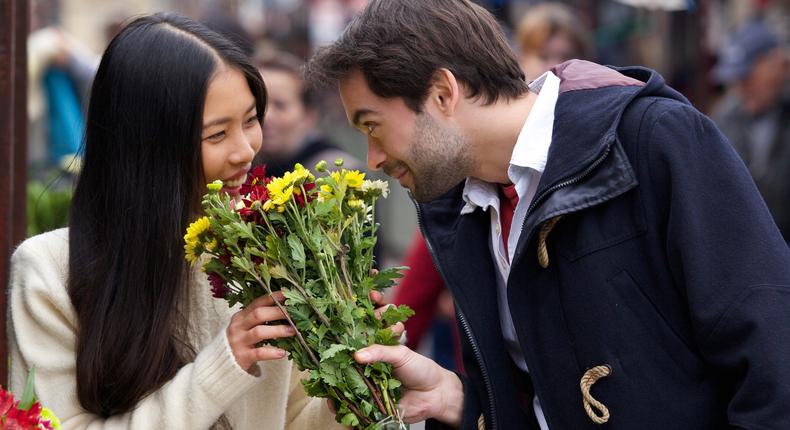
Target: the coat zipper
(464, 324)
(537, 200)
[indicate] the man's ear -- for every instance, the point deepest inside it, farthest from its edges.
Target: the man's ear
(445, 92)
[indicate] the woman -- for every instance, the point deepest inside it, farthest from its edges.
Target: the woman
(289, 134)
(121, 332)
(548, 34)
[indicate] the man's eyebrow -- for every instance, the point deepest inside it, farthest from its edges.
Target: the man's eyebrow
(226, 119)
(358, 114)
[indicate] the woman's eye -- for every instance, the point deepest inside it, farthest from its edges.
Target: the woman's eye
(251, 120)
(216, 137)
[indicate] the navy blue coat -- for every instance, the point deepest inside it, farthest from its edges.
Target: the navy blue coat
(666, 266)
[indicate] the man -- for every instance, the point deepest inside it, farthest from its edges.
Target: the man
(755, 114)
(610, 258)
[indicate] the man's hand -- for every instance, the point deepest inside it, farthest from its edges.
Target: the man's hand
(430, 391)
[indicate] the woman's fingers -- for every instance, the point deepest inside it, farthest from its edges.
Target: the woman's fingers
(266, 332)
(261, 315)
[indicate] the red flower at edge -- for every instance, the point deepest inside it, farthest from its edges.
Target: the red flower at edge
(14, 418)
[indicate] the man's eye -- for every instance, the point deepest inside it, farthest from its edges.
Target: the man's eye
(369, 128)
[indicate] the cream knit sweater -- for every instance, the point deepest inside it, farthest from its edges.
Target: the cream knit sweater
(42, 333)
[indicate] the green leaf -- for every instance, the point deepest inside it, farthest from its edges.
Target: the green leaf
(386, 278)
(397, 314)
(355, 381)
(279, 272)
(294, 297)
(350, 420)
(297, 251)
(29, 395)
(332, 350)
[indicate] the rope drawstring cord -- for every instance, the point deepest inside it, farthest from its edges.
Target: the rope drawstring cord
(543, 234)
(589, 378)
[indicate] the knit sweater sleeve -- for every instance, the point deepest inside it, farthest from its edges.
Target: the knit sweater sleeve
(307, 412)
(43, 331)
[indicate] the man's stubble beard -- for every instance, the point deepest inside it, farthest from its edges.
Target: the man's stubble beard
(439, 159)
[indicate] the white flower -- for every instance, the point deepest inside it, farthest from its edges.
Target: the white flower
(376, 188)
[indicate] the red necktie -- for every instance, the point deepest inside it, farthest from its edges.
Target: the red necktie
(508, 200)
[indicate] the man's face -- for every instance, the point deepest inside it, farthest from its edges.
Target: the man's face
(425, 156)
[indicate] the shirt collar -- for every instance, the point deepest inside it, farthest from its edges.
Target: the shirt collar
(531, 149)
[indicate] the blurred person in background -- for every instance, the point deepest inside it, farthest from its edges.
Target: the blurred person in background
(60, 72)
(755, 113)
(289, 131)
(548, 34)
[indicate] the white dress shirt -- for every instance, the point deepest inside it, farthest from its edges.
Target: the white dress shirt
(526, 167)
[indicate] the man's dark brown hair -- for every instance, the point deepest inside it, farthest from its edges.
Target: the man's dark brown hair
(398, 45)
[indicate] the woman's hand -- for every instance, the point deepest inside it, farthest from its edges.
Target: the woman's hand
(248, 327)
(378, 299)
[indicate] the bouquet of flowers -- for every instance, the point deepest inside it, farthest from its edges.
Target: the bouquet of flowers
(27, 413)
(312, 239)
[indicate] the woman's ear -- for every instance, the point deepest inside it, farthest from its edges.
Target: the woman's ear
(445, 92)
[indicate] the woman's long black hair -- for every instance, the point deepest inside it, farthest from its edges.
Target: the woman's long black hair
(139, 187)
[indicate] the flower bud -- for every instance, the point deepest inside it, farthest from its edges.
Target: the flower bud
(215, 186)
(320, 166)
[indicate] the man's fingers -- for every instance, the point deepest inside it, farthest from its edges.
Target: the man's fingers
(397, 355)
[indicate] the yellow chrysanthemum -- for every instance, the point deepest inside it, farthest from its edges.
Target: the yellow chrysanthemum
(192, 239)
(300, 173)
(280, 189)
(355, 203)
(337, 177)
(48, 415)
(354, 179)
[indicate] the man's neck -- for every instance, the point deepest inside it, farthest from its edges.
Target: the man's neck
(494, 134)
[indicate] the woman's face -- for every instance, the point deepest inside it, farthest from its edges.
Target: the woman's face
(288, 121)
(231, 131)
(557, 49)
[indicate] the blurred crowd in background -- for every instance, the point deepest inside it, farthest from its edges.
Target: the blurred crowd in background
(730, 58)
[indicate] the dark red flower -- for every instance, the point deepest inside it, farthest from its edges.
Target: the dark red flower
(256, 176)
(309, 189)
(225, 257)
(251, 212)
(219, 289)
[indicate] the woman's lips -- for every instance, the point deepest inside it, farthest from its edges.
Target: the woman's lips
(233, 185)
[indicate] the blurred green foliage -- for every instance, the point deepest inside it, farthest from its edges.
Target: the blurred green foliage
(47, 207)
